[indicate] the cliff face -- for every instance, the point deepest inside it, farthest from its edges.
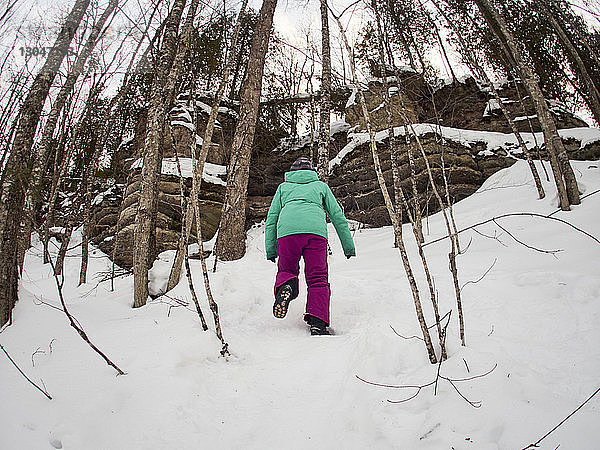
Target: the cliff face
(459, 125)
(114, 211)
(459, 104)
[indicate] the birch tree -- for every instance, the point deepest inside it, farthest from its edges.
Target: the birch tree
(393, 214)
(564, 176)
(16, 176)
(325, 101)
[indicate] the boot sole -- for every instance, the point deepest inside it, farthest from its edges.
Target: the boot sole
(282, 302)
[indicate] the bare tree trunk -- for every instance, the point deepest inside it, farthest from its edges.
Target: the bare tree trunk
(400, 199)
(61, 100)
(231, 239)
(16, 181)
(563, 172)
(85, 238)
(388, 203)
(594, 96)
(197, 176)
(62, 252)
(325, 103)
(145, 218)
(206, 143)
(472, 60)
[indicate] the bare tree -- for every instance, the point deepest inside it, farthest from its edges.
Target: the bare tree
(148, 199)
(325, 103)
(231, 239)
(471, 60)
(16, 178)
(593, 99)
(397, 225)
(564, 176)
(206, 144)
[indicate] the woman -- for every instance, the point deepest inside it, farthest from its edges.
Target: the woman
(296, 226)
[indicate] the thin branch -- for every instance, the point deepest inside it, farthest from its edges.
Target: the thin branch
(519, 214)
(405, 337)
(75, 324)
(39, 350)
(494, 237)
(551, 252)
(452, 381)
(23, 373)
(535, 445)
(481, 277)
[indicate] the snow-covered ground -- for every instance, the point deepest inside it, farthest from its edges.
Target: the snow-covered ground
(534, 315)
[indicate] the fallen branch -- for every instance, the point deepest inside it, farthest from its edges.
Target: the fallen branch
(43, 391)
(535, 444)
(75, 324)
(519, 214)
(418, 337)
(494, 237)
(551, 252)
(419, 388)
(481, 277)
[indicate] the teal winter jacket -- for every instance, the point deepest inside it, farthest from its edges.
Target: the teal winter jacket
(299, 206)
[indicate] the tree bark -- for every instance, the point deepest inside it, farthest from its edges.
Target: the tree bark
(325, 103)
(145, 223)
(594, 96)
(563, 172)
(16, 176)
(397, 226)
(231, 240)
(61, 100)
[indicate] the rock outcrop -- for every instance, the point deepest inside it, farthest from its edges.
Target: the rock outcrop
(459, 126)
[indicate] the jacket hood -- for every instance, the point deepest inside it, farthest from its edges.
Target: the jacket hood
(301, 176)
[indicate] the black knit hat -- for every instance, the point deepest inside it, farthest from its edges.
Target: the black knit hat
(302, 163)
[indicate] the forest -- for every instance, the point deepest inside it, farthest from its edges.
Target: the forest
(142, 143)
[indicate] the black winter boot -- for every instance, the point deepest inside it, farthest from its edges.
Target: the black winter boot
(318, 327)
(285, 294)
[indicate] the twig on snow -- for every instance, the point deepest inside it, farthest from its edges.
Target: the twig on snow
(39, 350)
(405, 337)
(75, 323)
(481, 277)
(43, 391)
(536, 444)
(494, 237)
(418, 337)
(551, 252)
(519, 214)
(443, 341)
(419, 388)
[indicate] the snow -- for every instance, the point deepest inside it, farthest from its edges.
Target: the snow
(468, 138)
(522, 118)
(98, 199)
(449, 81)
(352, 99)
(492, 105)
(181, 123)
(533, 315)
(169, 167)
(293, 143)
(222, 109)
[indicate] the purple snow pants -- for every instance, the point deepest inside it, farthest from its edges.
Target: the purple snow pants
(314, 250)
